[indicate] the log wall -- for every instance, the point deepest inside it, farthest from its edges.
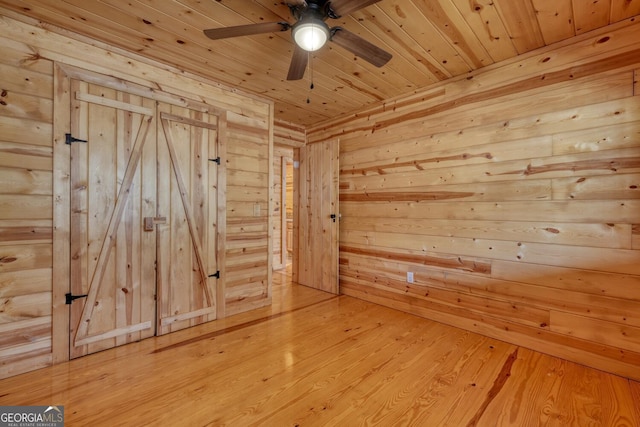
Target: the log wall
(512, 195)
(28, 174)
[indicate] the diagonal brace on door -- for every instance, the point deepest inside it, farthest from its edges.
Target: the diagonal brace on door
(195, 238)
(112, 229)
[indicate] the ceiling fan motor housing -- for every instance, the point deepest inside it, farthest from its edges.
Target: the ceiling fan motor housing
(310, 32)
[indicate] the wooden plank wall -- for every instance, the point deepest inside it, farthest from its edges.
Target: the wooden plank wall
(512, 195)
(26, 164)
(249, 199)
(288, 134)
(28, 56)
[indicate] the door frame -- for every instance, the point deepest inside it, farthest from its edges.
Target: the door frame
(63, 74)
(284, 161)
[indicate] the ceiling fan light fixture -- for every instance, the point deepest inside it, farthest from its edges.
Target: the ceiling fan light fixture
(310, 33)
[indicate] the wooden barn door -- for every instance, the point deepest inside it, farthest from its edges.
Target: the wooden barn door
(318, 216)
(113, 175)
(187, 197)
(144, 218)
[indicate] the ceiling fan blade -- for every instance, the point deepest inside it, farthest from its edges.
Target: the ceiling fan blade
(359, 46)
(246, 30)
(298, 64)
(345, 7)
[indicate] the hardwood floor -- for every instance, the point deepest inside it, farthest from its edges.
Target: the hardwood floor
(314, 359)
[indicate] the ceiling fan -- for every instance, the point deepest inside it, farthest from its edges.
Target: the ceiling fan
(310, 32)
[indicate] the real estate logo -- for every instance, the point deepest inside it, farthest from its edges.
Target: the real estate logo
(31, 416)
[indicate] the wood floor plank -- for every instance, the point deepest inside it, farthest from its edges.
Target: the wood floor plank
(635, 397)
(388, 395)
(359, 379)
(523, 401)
(327, 375)
(618, 404)
(315, 359)
(591, 397)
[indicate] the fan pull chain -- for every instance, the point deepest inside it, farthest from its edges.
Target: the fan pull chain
(310, 77)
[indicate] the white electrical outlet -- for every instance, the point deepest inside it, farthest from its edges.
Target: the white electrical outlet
(409, 276)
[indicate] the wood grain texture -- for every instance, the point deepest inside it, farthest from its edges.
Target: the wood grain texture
(513, 203)
(430, 42)
(318, 225)
(36, 208)
(327, 360)
(61, 222)
(561, 123)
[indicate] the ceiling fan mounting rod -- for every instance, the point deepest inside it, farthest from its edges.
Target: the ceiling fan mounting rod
(319, 9)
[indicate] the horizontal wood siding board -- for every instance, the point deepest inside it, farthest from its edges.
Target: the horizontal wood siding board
(606, 137)
(424, 153)
(26, 181)
(564, 233)
(17, 235)
(620, 186)
(608, 333)
(617, 285)
(30, 162)
(594, 163)
(533, 190)
(452, 262)
(578, 211)
(18, 79)
(23, 332)
(22, 130)
(403, 196)
(25, 282)
(23, 106)
(22, 307)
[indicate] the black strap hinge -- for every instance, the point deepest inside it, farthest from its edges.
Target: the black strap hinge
(69, 139)
(216, 275)
(217, 160)
(68, 298)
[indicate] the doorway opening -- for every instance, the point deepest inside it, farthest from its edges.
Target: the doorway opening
(283, 214)
(288, 213)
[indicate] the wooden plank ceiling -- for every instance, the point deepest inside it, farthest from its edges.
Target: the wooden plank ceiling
(431, 41)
